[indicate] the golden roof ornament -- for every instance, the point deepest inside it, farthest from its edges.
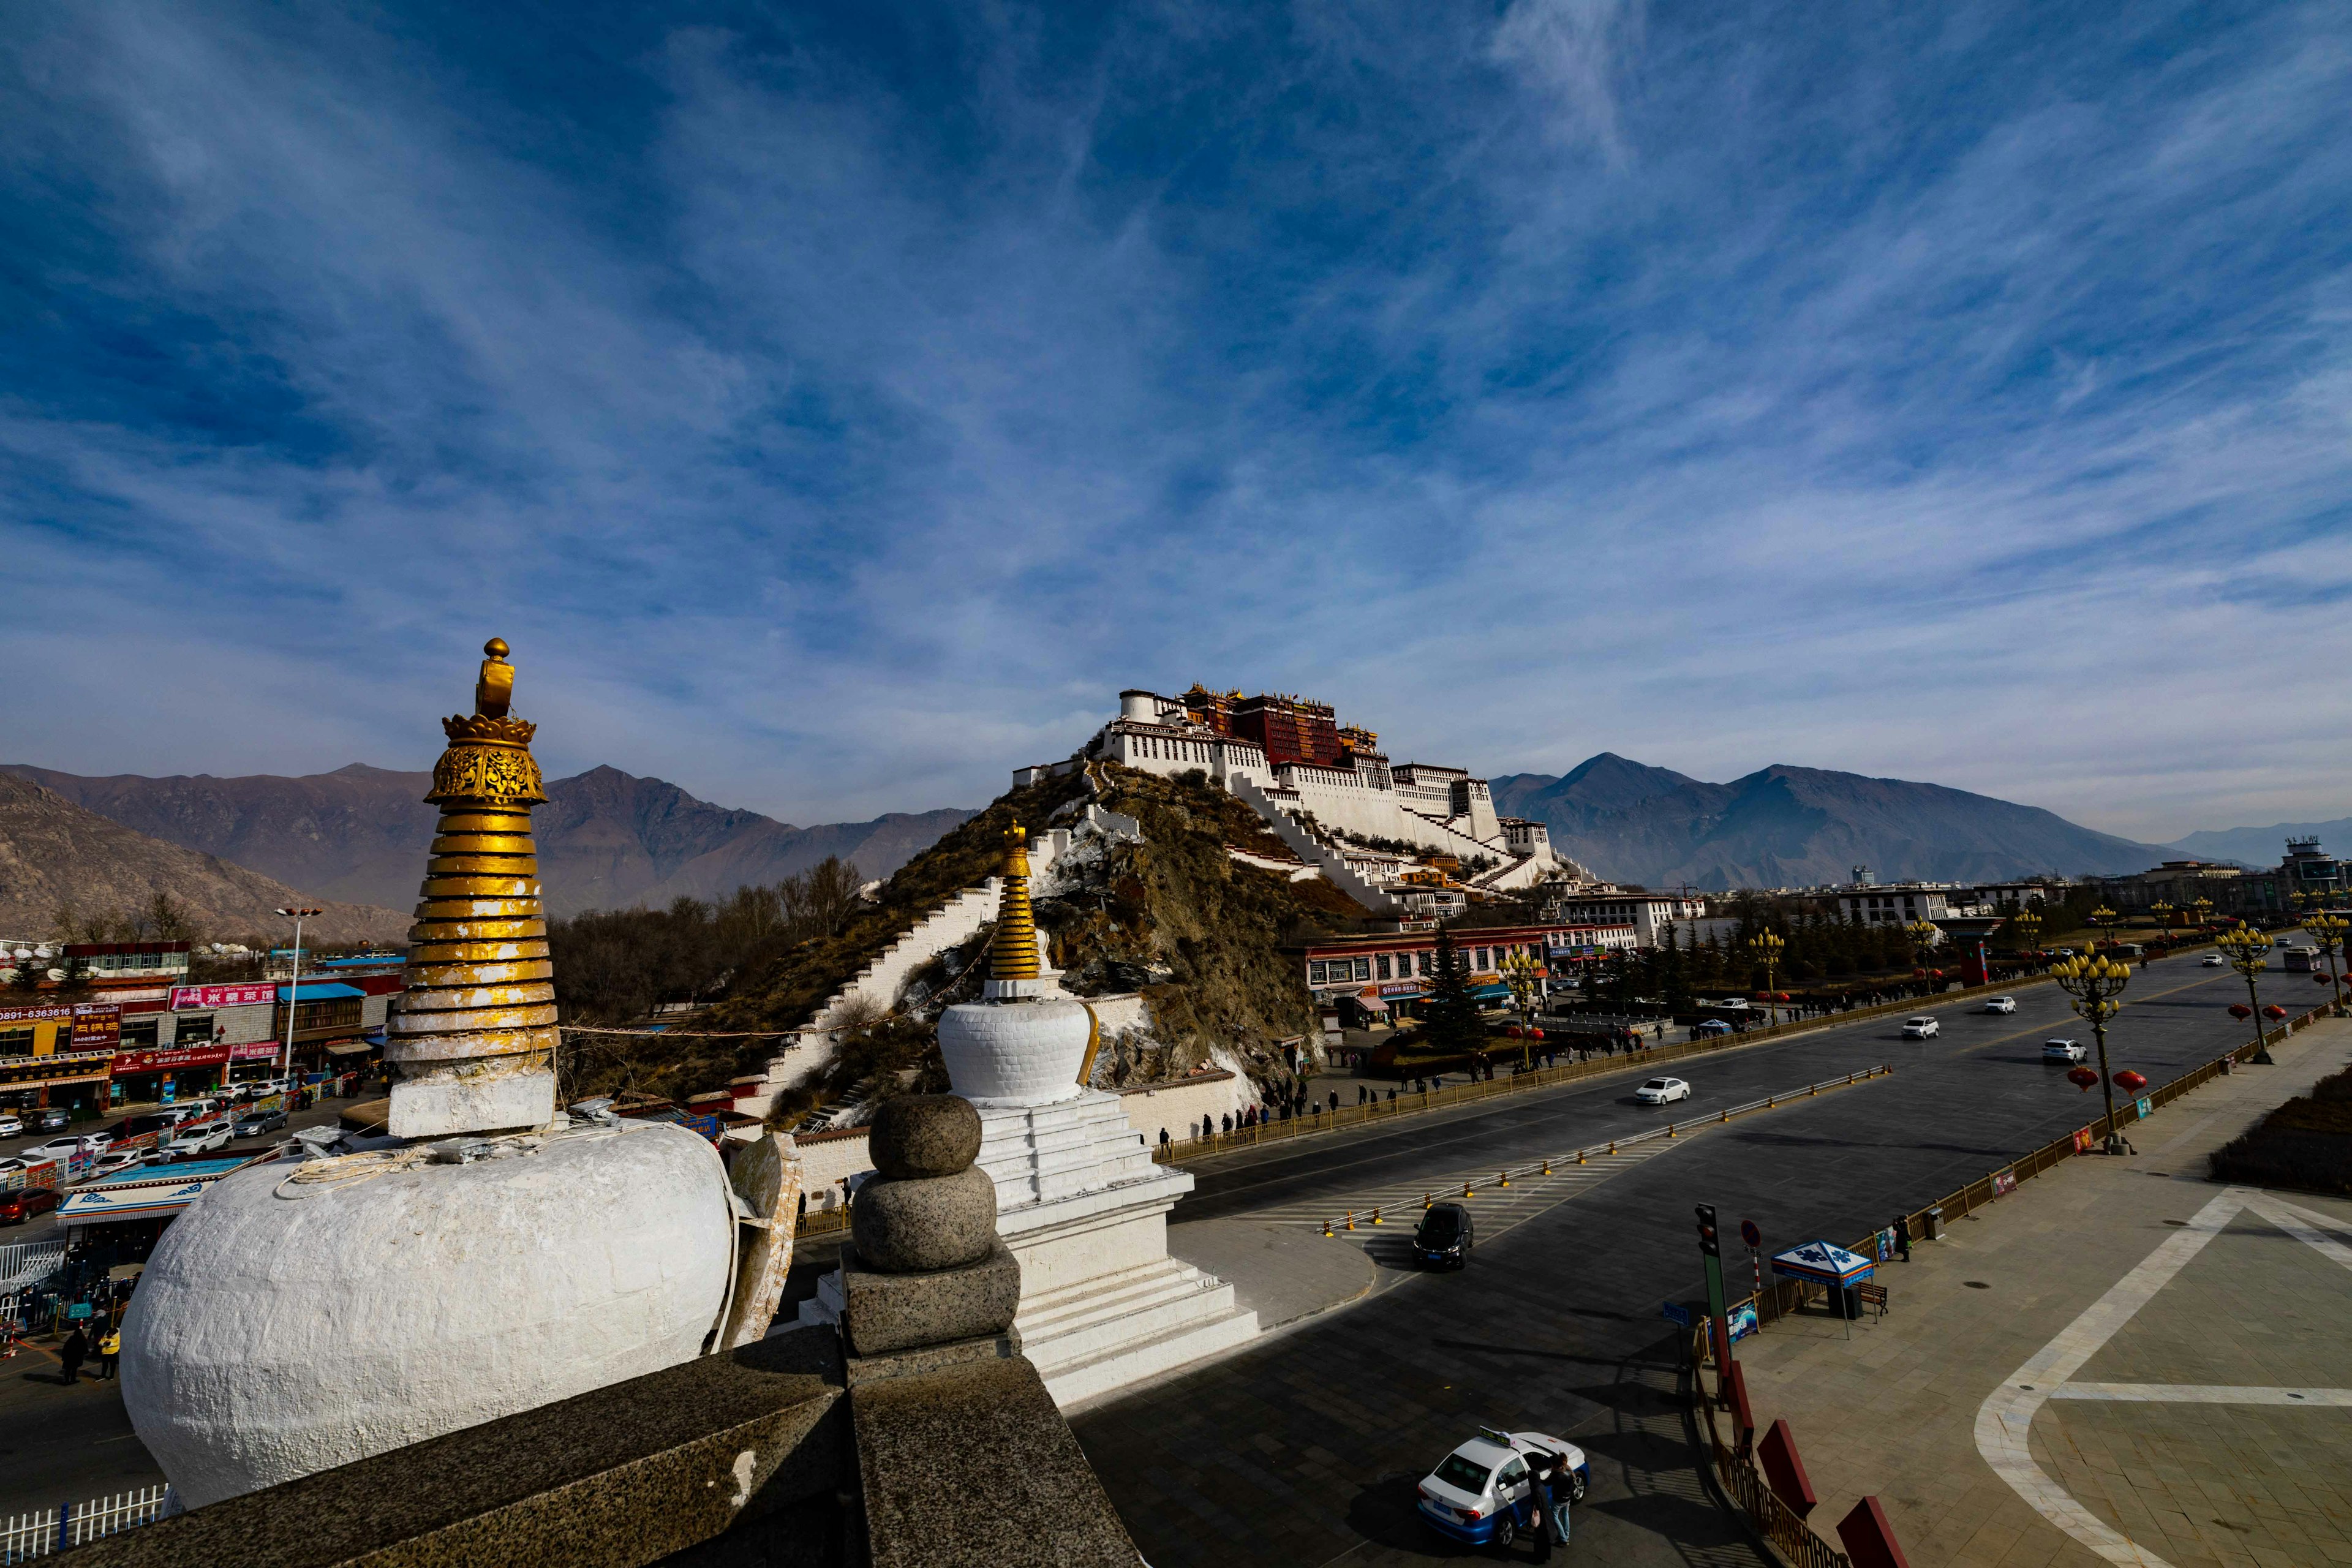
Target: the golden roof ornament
(473, 1039)
(1012, 960)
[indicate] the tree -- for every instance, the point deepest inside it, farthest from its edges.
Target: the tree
(1453, 1014)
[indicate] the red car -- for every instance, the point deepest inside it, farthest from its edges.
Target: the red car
(22, 1204)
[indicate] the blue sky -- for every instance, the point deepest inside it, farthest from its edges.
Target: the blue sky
(834, 405)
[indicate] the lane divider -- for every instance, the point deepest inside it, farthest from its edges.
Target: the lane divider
(1544, 1166)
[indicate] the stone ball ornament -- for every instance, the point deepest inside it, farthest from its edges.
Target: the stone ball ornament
(301, 1315)
(920, 1135)
(912, 1224)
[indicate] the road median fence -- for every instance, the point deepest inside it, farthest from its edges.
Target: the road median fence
(1734, 1467)
(1545, 1167)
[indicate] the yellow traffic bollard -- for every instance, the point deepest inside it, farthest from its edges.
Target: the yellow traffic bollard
(1612, 1145)
(1425, 1200)
(1727, 1116)
(1376, 1217)
(1351, 1220)
(1326, 1227)
(1465, 1189)
(1670, 1129)
(1546, 1170)
(1580, 1156)
(1502, 1178)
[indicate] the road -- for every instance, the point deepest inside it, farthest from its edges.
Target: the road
(1304, 1447)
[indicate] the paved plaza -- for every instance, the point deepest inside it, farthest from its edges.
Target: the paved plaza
(2120, 1363)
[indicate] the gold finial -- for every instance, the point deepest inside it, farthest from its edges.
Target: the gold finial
(1013, 955)
(493, 692)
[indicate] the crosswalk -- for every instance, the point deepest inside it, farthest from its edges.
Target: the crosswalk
(1384, 1216)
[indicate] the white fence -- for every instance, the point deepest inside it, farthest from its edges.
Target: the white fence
(51, 1531)
(24, 1263)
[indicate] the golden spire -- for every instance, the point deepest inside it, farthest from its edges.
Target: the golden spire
(1013, 955)
(474, 1035)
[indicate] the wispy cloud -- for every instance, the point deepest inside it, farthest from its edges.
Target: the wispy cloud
(835, 411)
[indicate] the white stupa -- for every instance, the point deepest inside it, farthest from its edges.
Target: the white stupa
(1079, 1200)
(303, 1314)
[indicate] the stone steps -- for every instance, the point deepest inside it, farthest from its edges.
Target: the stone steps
(1214, 1324)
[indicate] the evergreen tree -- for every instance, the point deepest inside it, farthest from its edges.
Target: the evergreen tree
(1453, 1014)
(1674, 976)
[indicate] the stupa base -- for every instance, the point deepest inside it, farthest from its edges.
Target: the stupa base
(440, 1105)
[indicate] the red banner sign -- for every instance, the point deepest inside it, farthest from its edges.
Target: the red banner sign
(185, 998)
(253, 1052)
(169, 1058)
(97, 1026)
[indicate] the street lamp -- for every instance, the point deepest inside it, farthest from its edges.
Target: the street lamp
(1922, 937)
(2326, 932)
(294, 991)
(2163, 913)
(2092, 985)
(1765, 947)
(2248, 953)
(2101, 918)
(2028, 926)
(2203, 910)
(1520, 973)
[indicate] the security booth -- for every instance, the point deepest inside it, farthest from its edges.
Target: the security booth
(1826, 1263)
(1969, 938)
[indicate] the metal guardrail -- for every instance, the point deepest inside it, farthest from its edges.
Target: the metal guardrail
(1543, 1167)
(52, 1529)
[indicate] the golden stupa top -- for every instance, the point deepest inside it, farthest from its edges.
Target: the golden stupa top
(489, 759)
(1013, 955)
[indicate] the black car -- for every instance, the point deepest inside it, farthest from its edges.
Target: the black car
(1443, 1241)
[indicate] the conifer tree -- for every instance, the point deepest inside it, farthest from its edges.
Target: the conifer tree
(1453, 1013)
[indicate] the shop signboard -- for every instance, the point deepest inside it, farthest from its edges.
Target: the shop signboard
(204, 998)
(1400, 988)
(72, 1067)
(97, 1026)
(254, 1051)
(42, 1174)
(169, 1058)
(49, 1015)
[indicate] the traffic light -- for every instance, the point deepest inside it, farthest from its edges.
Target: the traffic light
(1708, 1242)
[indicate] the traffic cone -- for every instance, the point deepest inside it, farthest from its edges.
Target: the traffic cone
(1466, 1190)
(1326, 1227)
(1546, 1170)
(1351, 1220)
(1425, 1200)
(1376, 1217)
(1502, 1178)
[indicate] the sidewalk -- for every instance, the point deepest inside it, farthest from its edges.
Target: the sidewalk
(2121, 1362)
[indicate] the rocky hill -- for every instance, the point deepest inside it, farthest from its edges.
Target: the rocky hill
(606, 839)
(56, 855)
(1796, 826)
(2261, 847)
(1175, 917)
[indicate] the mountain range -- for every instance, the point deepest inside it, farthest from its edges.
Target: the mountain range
(1791, 826)
(2263, 846)
(606, 839)
(55, 855)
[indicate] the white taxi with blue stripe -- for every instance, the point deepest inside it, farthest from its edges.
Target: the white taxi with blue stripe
(1483, 1491)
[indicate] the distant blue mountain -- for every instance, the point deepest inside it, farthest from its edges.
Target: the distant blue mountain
(1784, 827)
(2261, 846)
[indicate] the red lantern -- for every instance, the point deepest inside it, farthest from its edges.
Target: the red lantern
(2239, 1010)
(1918, 975)
(2087, 1078)
(1760, 996)
(1935, 974)
(2130, 1082)
(2322, 980)
(2274, 1011)
(1535, 1034)
(1779, 995)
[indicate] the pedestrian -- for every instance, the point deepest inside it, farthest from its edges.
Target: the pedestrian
(110, 1346)
(1335, 1100)
(1540, 1483)
(1391, 1100)
(1226, 1122)
(1902, 1228)
(1208, 1128)
(1165, 1142)
(71, 1354)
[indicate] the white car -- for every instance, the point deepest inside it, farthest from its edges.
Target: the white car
(1481, 1494)
(2062, 1051)
(11, 1126)
(1921, 1028)
(65, 1148)
(1663, 1091)
(2000, 1004)
(196, 1141)
(2214, 961)
(115, 1159)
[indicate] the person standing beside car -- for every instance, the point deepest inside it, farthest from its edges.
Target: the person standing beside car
(73, 1353)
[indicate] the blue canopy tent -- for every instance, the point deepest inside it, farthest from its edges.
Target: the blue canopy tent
(1823, 1263)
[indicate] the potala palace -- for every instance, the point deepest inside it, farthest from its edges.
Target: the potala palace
(1395, 834)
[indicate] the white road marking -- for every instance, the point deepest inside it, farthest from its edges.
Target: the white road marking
(2204, 1394)
(2005, 1420)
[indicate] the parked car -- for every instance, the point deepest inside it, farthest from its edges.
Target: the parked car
(2062, 1051)
(11, 1125)
(2000, 1003)
(51, 1119)
(1921, 1028)
(115, 1159)
(1710, 1026)
(1443, 1236)
(62, 1149)
(1663, 1091)
(22, 1204)
(196, 1141)
(1481, 1492)
(253, 1124)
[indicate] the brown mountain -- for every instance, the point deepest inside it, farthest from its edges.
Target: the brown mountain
(606, 839)
(56, 855)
